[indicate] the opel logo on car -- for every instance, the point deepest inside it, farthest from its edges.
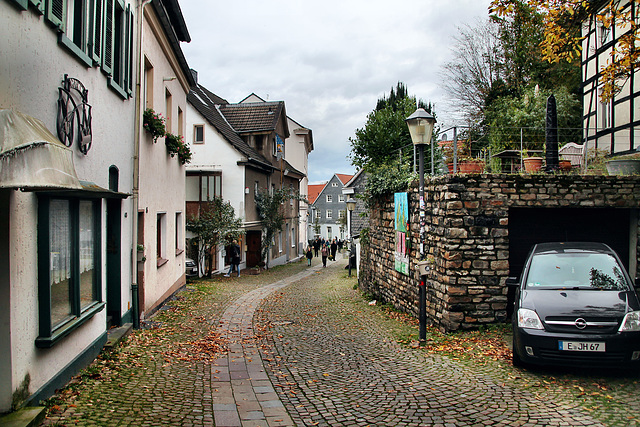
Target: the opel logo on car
(581, 323)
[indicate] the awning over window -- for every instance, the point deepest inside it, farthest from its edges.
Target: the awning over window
(31, 157)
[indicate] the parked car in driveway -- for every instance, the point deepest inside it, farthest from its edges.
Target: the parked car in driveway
(575, 305)
(191, 269)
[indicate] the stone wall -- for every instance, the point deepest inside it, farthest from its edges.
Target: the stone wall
(468, 239)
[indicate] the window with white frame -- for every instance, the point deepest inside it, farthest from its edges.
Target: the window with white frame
(198, 134)
(604, 34)
(179, 233)
(329, 233)
(161, 237)
(318, 214)
(334, 184)
(341, 198)
(329, 198)
(293, 237)
(341, 214)
(69, 260)
(329, 214)
(279, 241)
(605, 112)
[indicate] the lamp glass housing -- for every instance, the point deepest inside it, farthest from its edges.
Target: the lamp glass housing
(420, 125)
(351, 204)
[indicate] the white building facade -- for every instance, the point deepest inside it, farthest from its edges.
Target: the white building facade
(614, 125)
(65, 223)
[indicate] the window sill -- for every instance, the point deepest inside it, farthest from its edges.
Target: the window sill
(161, 262)
(179, 251)
(75, 50)
(116, 87)
(48, 342)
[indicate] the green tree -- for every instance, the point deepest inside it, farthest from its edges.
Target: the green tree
(216, 224)
(528, 111)
(385, 131)
(563, 22)
(271, 212)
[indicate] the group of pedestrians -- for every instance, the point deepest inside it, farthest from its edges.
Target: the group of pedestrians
(326, 248)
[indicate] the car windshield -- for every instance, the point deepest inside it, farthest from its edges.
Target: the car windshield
(576, 271)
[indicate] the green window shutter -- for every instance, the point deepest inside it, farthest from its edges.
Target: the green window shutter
(128, 56)
(98, 21)
(57, 13)
(107, 52)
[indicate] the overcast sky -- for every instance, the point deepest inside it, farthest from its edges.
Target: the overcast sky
(329, 61)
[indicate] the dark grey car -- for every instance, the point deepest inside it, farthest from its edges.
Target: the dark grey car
(575, 305)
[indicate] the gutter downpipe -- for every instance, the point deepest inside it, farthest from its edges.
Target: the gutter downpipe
(136, 171)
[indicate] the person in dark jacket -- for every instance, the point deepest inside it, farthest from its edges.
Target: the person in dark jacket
(234, 254)
(316, 246)
(309, 255)
(334, 249)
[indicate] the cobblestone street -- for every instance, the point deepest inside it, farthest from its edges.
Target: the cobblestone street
(304, 349)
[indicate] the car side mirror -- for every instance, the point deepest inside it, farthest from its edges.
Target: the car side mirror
(512, 282)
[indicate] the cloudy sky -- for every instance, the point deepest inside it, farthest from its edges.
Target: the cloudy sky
(329, 61)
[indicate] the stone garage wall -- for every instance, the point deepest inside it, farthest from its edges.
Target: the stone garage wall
(468, 239)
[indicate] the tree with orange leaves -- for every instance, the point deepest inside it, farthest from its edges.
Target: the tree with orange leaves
(563, 22)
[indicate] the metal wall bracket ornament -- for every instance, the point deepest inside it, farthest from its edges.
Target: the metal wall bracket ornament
(74, 114)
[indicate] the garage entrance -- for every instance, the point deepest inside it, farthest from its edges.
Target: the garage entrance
(528, 226)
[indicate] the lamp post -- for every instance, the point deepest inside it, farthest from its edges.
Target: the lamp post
(420, 125)
(351, 205)
(313, 216)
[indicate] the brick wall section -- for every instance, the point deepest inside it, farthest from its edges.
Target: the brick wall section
(468, 239)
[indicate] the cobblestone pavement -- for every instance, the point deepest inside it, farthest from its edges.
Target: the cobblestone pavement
(305, 349)
(335, 363)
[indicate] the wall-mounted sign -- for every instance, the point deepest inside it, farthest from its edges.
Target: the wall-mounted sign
(279, 147)
(402, 232)
(74, 114)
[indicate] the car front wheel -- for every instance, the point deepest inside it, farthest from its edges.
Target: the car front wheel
(515, 357)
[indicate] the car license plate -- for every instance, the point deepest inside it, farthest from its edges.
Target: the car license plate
(581, 346)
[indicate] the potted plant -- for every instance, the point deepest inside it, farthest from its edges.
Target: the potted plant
(624, 165)
(531, 163)
(153, 123)
(177, 147)
(471, 165)
(564, 165)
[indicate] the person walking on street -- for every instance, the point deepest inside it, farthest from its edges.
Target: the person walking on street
(325, 254)
(234, 250)
(316, 246)
(334, 249)
(309, 255)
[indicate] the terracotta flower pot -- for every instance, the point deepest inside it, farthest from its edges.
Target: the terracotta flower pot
(564, 165)
(471, 167)
(532, 164)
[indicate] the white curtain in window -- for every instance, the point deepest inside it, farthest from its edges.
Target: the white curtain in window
(60, 260)
(87, 262)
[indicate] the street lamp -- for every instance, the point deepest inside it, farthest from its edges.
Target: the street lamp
(351, 205)
(420, 125)
(313, 216)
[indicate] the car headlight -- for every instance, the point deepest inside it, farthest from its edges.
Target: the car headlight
(631, 322)
(529, 319)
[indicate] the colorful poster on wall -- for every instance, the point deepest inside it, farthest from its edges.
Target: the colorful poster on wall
(402, 231)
